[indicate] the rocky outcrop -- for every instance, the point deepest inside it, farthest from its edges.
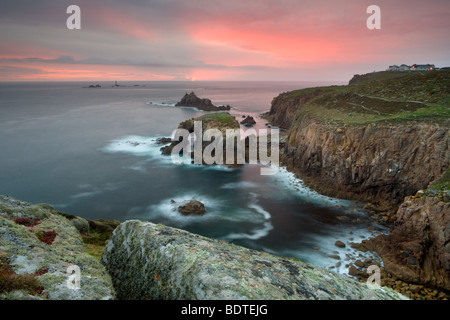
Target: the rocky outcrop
(417, 249)
(191, 100)
(248, 121)
(284, 107)
(373, 163)
(37, 246)
(175, 264)
(192, 208)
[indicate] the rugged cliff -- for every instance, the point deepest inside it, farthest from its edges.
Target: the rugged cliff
(418, 248)
(148, 261)
(380, 140)
(373, 163)
(368, 142)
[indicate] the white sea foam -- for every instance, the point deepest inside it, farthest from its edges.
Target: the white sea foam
(239, 185)
(168, 208)
(161, 104)
(149, 147)
(262, 216)
(90, 190)
(295, 186)
(138, 146)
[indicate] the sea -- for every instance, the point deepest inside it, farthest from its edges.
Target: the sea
(92, 152)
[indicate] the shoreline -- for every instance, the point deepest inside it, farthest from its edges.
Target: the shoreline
(382, 215)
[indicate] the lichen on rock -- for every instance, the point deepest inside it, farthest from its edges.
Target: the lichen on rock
(27, 254)
(149, 261)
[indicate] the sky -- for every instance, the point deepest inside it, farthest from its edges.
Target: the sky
(272, 40)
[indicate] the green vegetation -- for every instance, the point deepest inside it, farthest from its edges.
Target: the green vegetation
(223, 117)
(99, 232)
(382, 76)
(441, 187)
(382, 97)
(10, 280)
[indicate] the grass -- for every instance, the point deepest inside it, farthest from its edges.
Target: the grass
(99, 232)
(441, 187)
(10, 280)
(223, 117)
(385, 97)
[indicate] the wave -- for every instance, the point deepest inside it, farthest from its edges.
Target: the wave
(149, 147)
(168, 209)
(240, 185)
(259, 233)
(161, 104)
(139, 146)
(296, 187)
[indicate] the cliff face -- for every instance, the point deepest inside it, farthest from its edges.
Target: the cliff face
(418, 248)
(284, 108)
(375, 163)
(148, 261)
(379, 140)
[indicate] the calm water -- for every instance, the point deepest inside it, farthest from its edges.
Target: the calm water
(76, 149)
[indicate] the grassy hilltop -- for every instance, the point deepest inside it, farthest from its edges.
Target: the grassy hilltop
(381, 97)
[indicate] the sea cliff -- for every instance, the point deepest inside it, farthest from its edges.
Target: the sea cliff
(380, 140)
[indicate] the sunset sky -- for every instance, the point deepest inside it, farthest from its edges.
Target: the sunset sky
(218, 40)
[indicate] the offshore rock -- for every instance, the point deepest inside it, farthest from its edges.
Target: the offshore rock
(192, 208)
(148, 261)
(191, 100)
(249, 121)
(23, 249)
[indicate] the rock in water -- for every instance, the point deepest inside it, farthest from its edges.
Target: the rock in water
(148, 261)
(191, 100)
(249, 121)
(339, 244)
(192, 208)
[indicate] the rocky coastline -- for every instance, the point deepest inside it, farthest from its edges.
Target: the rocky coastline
(395, 162)
(397, 165)
(141, 260)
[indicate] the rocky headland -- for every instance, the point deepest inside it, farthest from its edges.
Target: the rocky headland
(382, 140)
(221, 121)
(191, 100)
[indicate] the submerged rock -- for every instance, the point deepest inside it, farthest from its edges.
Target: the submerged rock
(148, 261)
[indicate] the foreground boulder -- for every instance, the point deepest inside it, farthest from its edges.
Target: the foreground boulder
(148, 261)
(37, 246)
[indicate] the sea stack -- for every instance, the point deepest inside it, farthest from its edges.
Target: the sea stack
(191, 100)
